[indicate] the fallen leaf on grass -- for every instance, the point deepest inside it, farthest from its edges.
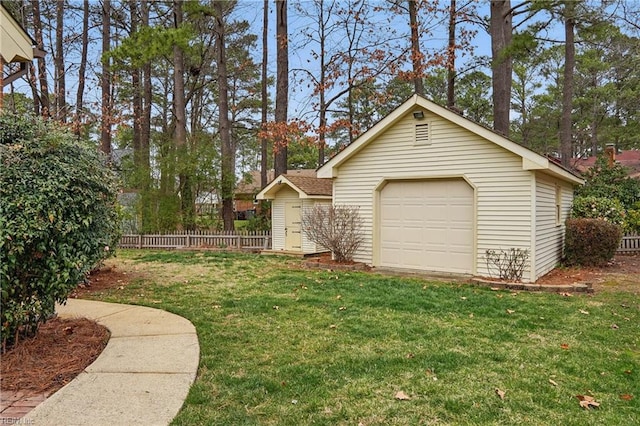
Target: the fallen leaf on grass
(553, 382)
(587, 401)
(410, 355)
(276, 307)
(565, 346)
(614, 326)
(566, 294)
(333, 326)
(342, 308)
(626, 397)
(510, 311)
(401, 396)
(500, 393)
(582, 311)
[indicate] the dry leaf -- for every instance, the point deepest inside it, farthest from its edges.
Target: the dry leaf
(401, 396)
(494, 289)
(582, 311)
(566, 294)
(343, 308)
(500, 393)
(510, 311)
(614, 326)
(68, 330)
(338, 297)
(587, 401)
(565, 346)
(276, 307)
(463, 298)
(626, 397)
(410, 355)
(333, 326)
(553, 382)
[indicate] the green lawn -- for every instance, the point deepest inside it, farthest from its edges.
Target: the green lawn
(282, 345)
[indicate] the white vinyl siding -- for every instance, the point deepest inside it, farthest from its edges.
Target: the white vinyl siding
(503, 190)
(307, 206)
(549, 239)
(288, 195)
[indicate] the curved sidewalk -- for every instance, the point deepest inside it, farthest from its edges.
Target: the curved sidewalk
(142, 376)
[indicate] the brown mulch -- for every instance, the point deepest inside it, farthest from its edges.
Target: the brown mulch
(60, 351)
(62, 348)
(621, 274)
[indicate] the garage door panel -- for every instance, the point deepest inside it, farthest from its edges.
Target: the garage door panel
(427, 225)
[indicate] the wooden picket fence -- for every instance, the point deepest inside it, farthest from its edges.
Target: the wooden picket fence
(630, 244)
(229, 240)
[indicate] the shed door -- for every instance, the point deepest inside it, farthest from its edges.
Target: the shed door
(293, 226)
(427, 225)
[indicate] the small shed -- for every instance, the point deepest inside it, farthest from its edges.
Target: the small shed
(292, 194)
(436, 191)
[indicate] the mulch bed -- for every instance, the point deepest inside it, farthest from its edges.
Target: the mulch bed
(60, 351)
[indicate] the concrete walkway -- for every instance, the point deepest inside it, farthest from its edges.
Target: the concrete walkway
(142, 376)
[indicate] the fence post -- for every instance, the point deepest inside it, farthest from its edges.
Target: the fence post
(139, 241)
(239, 242)
(188, 240)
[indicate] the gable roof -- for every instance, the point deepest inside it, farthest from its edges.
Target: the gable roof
(306, 186)
(629, 159)
(530, 160)
(251, 185)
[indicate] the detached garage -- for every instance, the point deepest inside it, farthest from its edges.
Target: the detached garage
(436, 191)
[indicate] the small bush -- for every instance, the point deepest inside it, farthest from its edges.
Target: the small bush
(58, 219)
(591, 242)
(510, 264)
(607, 209)
(338, 228)
(632, 220)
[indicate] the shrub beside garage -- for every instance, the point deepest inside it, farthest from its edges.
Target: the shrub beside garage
(58, 219)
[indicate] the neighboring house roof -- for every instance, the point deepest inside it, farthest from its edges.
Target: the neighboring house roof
(305, 186)
(629, 159)
(251, 184)
(530, 160)
(17, 45)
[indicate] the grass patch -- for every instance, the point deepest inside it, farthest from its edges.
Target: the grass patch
(281, 345)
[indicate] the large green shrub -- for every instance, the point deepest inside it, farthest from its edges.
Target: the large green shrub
(591, 242)
(608, 209)
(610, 181)
(58, 219)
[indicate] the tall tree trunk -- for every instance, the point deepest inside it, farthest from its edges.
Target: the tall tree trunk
(45, 109)
(77, 127)
(264, 105)
(227, 151)
(416, 53)
(567, 87)
(136, 97)
(451, 56)
(60, 85)
(501, 32)
(179, 109)
(105, 137)
(282, 86)
(323, 86)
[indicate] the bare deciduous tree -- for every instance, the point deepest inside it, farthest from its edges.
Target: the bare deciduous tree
(337, 228)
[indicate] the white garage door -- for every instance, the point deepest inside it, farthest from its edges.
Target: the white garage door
(427, 225)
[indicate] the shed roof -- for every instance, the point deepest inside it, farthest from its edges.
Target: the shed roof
(305, 186)
(530, 160)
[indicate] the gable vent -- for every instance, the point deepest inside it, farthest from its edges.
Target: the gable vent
(422, 134)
